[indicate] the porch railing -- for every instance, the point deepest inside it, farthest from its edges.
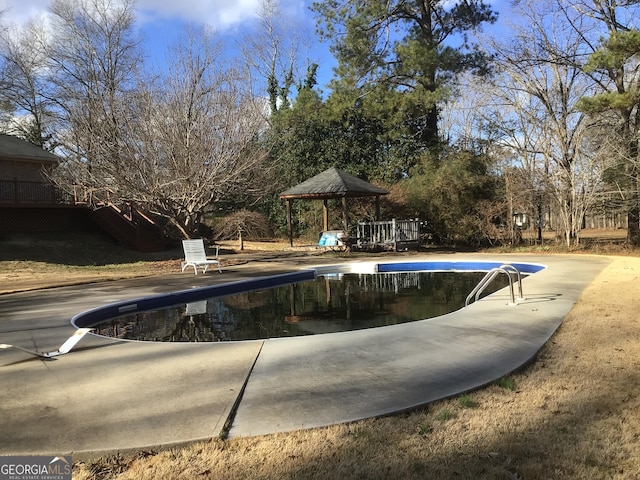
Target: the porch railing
(19, 192)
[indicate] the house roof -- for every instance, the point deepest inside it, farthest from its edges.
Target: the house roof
(333, 183)
(14, 148)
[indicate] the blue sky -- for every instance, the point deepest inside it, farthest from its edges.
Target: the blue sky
(221, 14)
(162, 21)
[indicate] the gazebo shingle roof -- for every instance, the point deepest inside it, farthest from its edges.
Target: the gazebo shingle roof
(333, 183)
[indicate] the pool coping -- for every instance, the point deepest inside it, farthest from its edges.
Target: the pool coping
(110, 396)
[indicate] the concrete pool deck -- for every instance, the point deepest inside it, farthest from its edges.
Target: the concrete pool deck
(111, 396)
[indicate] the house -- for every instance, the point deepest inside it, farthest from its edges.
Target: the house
(22, 167)
(29, 203)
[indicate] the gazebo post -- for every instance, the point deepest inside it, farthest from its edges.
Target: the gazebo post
(289, 226)
(377, 207)
(345, 219)
(325, 214)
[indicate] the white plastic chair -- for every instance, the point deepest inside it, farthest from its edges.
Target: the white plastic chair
(195, 256)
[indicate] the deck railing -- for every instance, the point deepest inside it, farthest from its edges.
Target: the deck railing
(19, 192)
(393, 234)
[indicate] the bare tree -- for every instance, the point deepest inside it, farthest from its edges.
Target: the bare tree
(244, 224)
(271, 51)
(613, 45)
(191, 139)
(463, 121)
(542, 85)
(173, 142)
(24, 87)
(94, 58)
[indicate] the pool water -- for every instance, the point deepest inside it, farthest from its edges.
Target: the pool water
(328, 304)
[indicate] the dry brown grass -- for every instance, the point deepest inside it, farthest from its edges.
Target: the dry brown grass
(253, 246)
(30, 262)
(574, 414)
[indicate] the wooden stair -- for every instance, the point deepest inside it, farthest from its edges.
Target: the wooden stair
(135, 231)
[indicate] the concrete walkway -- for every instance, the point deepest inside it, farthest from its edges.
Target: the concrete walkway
(108, 395)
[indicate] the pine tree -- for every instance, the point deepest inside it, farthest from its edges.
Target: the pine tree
(401, 57)
(617, 59)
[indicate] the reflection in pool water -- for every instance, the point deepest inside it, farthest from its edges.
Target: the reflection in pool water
(331, 303)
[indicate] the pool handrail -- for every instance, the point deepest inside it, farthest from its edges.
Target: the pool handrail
(508, 270)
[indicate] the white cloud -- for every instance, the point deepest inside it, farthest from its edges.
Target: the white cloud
(220, 14)
(19, 12)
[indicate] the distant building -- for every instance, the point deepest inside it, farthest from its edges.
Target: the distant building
(23, 161)
(30, 203)
(22, 165)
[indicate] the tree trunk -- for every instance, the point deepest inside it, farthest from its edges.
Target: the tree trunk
(540, 221)
(633, 214)
(633, 219)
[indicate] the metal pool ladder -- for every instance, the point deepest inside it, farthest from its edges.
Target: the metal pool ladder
(510, 271)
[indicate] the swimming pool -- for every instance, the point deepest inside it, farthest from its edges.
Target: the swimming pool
(212, 314)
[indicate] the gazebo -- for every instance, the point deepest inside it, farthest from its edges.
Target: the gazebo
(331, 184)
